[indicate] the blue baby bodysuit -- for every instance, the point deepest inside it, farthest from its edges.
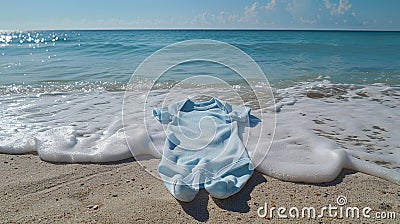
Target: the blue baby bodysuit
(203, 148)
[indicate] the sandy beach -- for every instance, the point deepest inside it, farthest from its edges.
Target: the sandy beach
(35, 191)
(294, 103)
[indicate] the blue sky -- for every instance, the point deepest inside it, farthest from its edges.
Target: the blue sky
(205, 14)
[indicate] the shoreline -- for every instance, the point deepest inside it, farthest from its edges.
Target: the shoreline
(35, 191)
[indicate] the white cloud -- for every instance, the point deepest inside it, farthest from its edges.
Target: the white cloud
(202, 18)
(289, 6)
(249, 12)
(220, 19)
(344, 6)
(228, 19)
(308, 21)
(304, 13)
(335, 9)
(328, 5)
(232, 18)
(270, 5)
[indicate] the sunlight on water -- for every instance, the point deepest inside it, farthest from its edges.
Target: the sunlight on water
(34, 38)
(337, 95)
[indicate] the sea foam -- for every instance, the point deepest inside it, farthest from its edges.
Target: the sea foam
(321, 128)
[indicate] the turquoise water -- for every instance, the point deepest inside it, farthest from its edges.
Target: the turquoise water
(286, 57)
(336, 97)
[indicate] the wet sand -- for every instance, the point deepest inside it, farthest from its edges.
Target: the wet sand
(35, 191)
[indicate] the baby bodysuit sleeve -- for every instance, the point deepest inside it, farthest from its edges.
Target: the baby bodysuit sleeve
(162, 115)
(165, 114)
(240, 113)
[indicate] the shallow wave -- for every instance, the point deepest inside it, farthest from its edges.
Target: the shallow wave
(113, 48)
(291, 47)
(321, 127)
(335, 126)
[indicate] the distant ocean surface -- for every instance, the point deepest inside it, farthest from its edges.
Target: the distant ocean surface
(61, 95)
(285, 56)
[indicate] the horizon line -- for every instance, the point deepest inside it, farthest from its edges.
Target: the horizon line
(201, 29)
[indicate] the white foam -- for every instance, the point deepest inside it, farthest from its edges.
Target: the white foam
(331, 127)
(321, 129)
(65, 127)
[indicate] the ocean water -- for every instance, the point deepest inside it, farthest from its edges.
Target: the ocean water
(333, 101)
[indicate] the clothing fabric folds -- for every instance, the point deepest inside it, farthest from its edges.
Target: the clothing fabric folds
(203, 148)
